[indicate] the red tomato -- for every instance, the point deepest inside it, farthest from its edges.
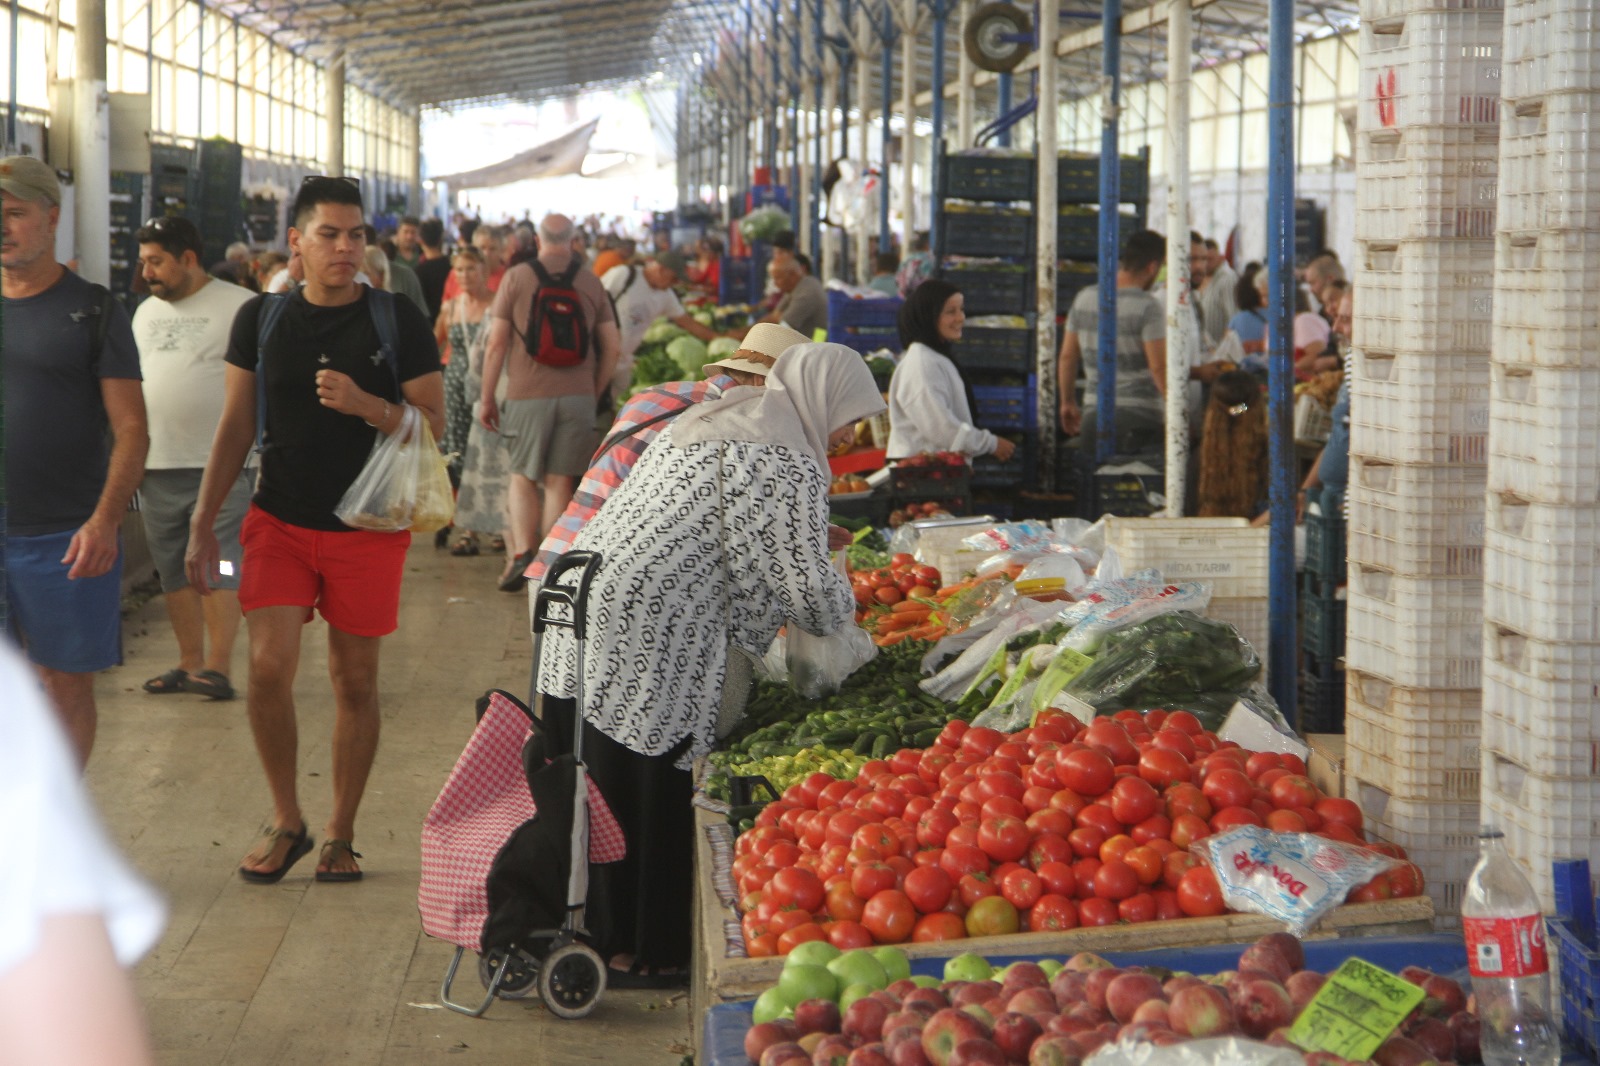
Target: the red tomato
(1155, 827)
(871, 878)
(877, 839)
(950, 736)
(1053, 912)
(1187, 799)
(886, 803)
(965, 834)
(1003, 839)
(842, 904)
(1229, 817)
(902, 559)
(1115, 880)
(974, 887)
(1262, 761)
(1022, 888)
(794, 887)
(1199, 895)
(1293, 763)
(960, 860)
(889, 917)
(1293, 790)
(762, 947)
(928, 888)
(1184, 721)
(1003, 807)
(1116, 847)
(928, 575)
(932, 928)
(1167, 905)
(1175, 740)
(1312, 819)
(1336, 809)
(1174, 866)
(1286, 822)
(1110, 737)
(1049, 820)
(1100, 817)
(1341, 832)
(934, 826)
(1405, 881)
(1140, 907)
(1133, 800)
(800, 934)
(1095, 911)
(848, 935)
(1049, 847)
(1084, 871)
(783, 921)
(1088, 773)
(992, 916)
(1163, 767)
(979, 742)
(1058, 878)
(1147, 864)
(1228, 788)
(1068, 802)
(1374, 890)
(1188, 828)
(1086, 841)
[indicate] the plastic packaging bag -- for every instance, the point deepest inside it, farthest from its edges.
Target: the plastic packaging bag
(817, 666)
(1129, 604)
(1174, 660)
(404, 484)
(1293, 877)
(1011, 536)
(1216, 1051)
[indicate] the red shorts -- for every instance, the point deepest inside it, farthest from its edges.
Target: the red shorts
(352, 578)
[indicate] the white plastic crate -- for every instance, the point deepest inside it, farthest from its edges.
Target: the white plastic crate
(1372, 10)
(1546, 293)
(1431, 68)
(1421, 182)
(1440, 836)
(1423, 726)
(1413, 631)
(1551, 46)
(1544, 818)
(1420, 407)
(1227, 553)
(1549, 164)
(1424, 296)
(1542, 569)
(1545, 438)
(1416, 519)
(1539, 701)
(1407, 765)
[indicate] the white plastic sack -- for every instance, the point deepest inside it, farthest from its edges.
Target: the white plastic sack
(1218, 1051)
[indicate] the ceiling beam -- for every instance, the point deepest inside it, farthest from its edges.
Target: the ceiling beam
(506, 61)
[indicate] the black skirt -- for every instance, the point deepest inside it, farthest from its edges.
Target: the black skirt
(643, 905)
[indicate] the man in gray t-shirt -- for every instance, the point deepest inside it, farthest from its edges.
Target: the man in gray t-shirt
(1141, 383)
(804, 306)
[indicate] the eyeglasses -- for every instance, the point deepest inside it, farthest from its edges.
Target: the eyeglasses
(346, 178)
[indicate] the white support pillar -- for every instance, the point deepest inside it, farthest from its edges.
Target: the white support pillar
(415, 199)
(908, 112)
(965, 90)
(91, 145)
(1044, 216)
(865, 227)
(830, 103)
(802, 148)
(1183, 335)
(335, 114)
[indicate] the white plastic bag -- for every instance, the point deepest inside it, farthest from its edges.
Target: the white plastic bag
(404, 484)
(819, 665)
(1293, 877)
(1216, 1051)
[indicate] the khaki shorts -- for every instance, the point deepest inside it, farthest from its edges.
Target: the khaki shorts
(549, 436)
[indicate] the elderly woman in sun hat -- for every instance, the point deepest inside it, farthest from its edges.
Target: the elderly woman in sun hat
(717, 538)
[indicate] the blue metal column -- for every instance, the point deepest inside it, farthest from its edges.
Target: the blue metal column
(885, 242)
(748, 156)
(1110, 197)
(775, 102)
(1280, 359)
(1003, 107)
(11, 97)
(816, 142)
(941, 12)
(795, 192)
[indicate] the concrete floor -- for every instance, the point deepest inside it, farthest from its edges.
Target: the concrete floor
(304, 973)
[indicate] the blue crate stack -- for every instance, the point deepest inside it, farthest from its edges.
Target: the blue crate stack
(1322, 622)
(864, 324)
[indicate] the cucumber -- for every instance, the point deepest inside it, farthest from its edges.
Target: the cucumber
(925, 739)
(882, 747)
(863, 743)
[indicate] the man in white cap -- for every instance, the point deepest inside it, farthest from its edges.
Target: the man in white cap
(75, 443)
(643, 418)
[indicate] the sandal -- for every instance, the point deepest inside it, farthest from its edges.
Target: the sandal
(498, 544)
(210, 684)
(514, 579)
(466, 545)
(337, 876)
(299, 844)
(171, 681)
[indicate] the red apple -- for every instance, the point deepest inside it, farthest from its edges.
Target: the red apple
(817, 1016)
(1268, 959)
(1467, 1030)
(1262, 1006)
(1094, 987)
(945, 1030)
(868, 1055)
(1447, 992)
(1200, 1010)
(1015, 1033)
(1436, 1036)
(831, 1050)
(863, 1022)
(1302, 987)
(909, 1053)
(1156, 1012)
(1127, 992)
(1401, 1051)
(778, 1054)
(1032, 1001)
(760, 1037)
(925, 1001)
(1067, 987)
(1054, 1051)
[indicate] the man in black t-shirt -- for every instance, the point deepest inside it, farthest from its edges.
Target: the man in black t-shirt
(330, 390)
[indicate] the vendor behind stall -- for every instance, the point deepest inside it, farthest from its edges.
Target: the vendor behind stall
(928, 406)
(717, 538)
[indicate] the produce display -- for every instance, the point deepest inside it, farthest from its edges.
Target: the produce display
(862, 1008)
(848, 483)
(972, 832)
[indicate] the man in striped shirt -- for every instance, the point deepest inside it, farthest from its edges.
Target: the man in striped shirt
(643, 418)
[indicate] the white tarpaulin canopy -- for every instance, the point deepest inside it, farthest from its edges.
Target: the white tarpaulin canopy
(553, 159)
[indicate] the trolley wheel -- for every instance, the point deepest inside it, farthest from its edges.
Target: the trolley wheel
(997, 37)
(521, 973)
(571, 980)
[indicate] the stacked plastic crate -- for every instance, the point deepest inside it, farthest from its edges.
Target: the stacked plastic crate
(1541, 669)
(1426, 188)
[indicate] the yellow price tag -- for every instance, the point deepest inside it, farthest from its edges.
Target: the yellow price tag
(1355, 1011)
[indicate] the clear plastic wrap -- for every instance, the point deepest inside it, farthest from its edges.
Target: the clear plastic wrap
(1177, 660)
(1216, 1051)
(1122, 605)
(1293, 877)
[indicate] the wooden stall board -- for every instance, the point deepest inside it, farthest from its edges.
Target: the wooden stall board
(715, 977)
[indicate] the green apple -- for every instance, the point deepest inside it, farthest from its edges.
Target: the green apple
(769, 1007)
(852, 993)
(896, 964)
(812, 953)
(858, 967)
(1051, 967)
(968, 967)
(922, 980)
(800, 982)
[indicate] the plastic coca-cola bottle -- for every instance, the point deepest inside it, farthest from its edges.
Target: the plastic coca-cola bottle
(1504, 929)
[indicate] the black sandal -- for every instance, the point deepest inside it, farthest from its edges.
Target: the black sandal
(300, 844)
(210, 684)
(466, 545)
(171, 681)
(338, 876)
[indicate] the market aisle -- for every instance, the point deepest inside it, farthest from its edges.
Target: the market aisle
(304, 973)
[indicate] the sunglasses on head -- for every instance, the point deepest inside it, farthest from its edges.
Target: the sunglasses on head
(347, 179)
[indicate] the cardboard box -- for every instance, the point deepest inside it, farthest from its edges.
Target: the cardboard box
(1325, 767)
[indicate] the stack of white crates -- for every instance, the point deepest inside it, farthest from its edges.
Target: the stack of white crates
(1427, 169)
(1541, 663)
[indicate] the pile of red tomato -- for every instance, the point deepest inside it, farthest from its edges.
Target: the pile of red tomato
(1058, 826)
(904, 578)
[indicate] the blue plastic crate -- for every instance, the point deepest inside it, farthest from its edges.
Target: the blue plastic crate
(987, 233)
(1078, 180)
(1069, 283)
(1007, 406)
(1572, 941)
(977, 177)
(989, 290)
(1018, 472)
(1321, 691)
(880, 314)
(1322, 626)
(996, 349)
(733, 281)
(865, 339)
(1325, 546)
(767, 196)
(1078, 234)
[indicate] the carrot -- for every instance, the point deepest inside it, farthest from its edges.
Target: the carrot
(950, 590)
(897, 622)
(891, 639)
(926, 632)
(911, 607)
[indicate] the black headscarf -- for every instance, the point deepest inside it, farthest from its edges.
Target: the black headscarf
(919, 315)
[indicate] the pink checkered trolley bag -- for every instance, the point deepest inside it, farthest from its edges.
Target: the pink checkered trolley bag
(498, 875)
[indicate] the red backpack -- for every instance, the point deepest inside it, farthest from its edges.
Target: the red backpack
(557, 333)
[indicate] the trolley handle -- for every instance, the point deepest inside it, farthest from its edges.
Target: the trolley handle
(573, 597)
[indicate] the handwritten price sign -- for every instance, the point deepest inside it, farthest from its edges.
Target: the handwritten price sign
(1355, 1011)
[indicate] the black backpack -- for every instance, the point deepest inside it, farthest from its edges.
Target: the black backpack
(557, 333)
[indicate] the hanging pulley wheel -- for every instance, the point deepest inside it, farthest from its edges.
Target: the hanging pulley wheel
(998, 36)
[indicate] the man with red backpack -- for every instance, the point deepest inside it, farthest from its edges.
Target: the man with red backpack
(555, 337)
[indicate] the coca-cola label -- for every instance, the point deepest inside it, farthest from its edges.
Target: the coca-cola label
(1505, 947)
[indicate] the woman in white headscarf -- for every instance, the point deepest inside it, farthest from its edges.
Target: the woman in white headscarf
(717, 538)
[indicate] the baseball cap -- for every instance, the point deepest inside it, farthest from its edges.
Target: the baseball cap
(672, 261)
(29, 178)
(761, 348)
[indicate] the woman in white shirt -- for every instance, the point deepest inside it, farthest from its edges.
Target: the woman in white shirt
(928, 406)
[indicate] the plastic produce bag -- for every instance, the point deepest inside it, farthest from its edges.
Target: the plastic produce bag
(1293, 877)
(404, 484)
(1125, 604)
(1012, 536)
(955, 679)
(817, 666)
(1217, 1051)
(1175, 660)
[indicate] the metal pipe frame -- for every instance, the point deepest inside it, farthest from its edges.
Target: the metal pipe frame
(1110, 199)
(1283, 641)
(1182, 335)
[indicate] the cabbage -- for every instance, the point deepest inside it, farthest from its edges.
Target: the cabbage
(690, 354)
(722, 346)
(662, 331)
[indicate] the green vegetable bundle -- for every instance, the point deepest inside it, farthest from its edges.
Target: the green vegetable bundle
(1172, 660)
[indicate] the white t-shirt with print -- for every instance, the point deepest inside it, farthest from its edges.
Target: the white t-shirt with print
(639, 306)
(181, 350)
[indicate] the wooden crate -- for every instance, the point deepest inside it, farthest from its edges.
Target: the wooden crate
(717, 978)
